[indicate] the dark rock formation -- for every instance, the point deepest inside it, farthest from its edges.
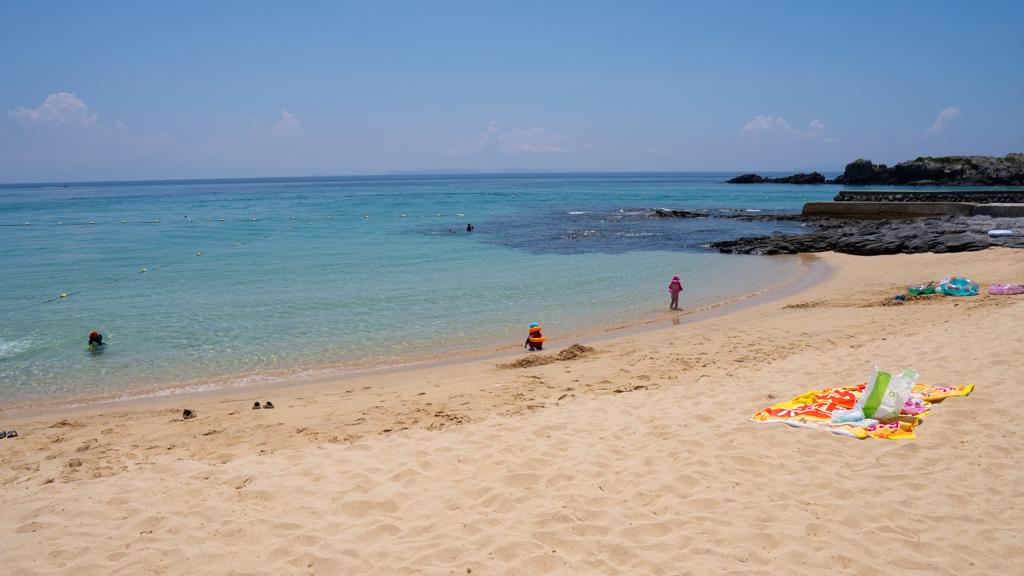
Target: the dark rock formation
(801, 178)
(666, 213)
(944, 171)
(955, 234)
(746, 179)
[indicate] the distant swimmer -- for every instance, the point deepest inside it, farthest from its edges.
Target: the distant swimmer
(535, 340)
(469, 228)
(95, 340)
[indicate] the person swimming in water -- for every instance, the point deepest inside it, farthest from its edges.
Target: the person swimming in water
(535, 340)
(470, 228)
(95, 340)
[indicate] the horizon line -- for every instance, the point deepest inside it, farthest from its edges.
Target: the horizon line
(399, 174)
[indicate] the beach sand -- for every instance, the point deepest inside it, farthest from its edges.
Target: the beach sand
(636, 458)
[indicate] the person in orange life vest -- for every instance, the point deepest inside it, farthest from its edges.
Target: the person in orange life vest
(535, 341)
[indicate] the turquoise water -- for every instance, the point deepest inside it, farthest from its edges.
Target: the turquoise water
(248, 278)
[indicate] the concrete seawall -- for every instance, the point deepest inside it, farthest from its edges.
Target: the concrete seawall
(988, 196)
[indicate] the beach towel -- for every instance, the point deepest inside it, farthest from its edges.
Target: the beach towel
(814, 409)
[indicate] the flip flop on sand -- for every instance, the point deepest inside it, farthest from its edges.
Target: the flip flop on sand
(188, 414)
(255, 405)
(12, 433)
(3, 434)
(268, 405)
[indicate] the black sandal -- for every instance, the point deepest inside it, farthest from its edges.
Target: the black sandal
(12, 433)
(188, 414)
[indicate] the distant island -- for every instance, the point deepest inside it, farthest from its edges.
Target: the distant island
(922, 171)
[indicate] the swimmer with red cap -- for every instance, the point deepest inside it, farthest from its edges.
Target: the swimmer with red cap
(95, 339)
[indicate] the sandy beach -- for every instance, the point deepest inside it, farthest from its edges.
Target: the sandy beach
(633, 458)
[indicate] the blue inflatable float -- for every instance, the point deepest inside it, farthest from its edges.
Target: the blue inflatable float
(957, 286)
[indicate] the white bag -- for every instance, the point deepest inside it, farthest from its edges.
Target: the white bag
(885, 394)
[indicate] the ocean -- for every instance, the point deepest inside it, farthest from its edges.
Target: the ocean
(216, 283)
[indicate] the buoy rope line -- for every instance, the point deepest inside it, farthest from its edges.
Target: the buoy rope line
(330, 216)
(237, 244)
(63, 296)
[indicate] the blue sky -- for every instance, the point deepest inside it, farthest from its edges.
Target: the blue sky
(133, 90)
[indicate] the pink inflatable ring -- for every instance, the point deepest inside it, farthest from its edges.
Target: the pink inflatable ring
(1006, 289)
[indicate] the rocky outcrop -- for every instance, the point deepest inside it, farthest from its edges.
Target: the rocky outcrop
(801, 178)
(667, 213)
(746, 179)
(941, 171)
(867, 238)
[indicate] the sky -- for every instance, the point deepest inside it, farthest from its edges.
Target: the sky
(163, 90)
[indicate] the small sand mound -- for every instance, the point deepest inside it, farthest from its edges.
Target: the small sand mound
(571, 353)
(529, 361)
(575, 351)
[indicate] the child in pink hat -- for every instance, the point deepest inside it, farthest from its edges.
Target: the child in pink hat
(674, 288)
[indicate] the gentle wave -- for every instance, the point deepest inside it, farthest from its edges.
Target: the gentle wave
(12, 348)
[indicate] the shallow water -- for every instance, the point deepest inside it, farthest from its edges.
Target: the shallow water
(251, 276)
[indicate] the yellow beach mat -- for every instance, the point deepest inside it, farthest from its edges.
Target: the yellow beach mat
(814, 410)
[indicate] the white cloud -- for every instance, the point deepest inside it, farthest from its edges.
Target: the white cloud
(288, 125)
(762, 124)
(947, 115)
(777, 127)
(61, 109)
(533, 139)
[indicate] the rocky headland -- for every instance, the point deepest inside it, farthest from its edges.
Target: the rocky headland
(923, 171)
(938, 171)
